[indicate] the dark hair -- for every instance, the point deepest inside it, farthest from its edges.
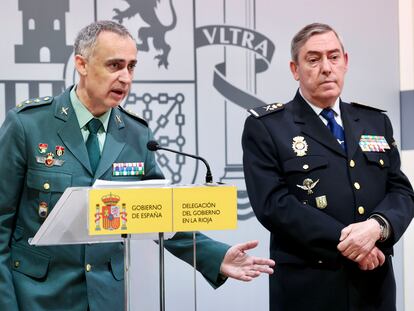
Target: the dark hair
(305, 33)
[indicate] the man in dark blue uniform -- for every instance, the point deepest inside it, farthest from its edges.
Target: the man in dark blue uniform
(51, 143)
(323, 176)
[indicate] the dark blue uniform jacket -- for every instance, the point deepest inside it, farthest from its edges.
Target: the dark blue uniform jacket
(353, 184)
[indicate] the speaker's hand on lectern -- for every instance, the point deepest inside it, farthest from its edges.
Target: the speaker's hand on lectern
(239, 265)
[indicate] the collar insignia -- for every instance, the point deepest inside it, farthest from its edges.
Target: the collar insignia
(118, 119)
(64, 110)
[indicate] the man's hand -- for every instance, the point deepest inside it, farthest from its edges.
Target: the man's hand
(358, 239)
(374, 259)
(237, 264)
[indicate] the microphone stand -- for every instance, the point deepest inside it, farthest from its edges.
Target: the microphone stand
(162, 271)
(209, 176)
(154, 146)
(127, 265)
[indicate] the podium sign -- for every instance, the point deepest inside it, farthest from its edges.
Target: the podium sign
(123, 211)
(205, 208)
(130, 211)
(165, 209)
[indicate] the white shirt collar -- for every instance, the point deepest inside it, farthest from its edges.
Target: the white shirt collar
(318, 110)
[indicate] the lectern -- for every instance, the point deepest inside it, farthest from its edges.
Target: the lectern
(150, 210)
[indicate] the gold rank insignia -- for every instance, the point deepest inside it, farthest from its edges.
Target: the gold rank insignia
(265, 110)
(308, 184)
(34, 102)
(299, 146)
(272, 107)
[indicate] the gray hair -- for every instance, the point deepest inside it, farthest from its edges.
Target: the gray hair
(85, 41)
(306, 33)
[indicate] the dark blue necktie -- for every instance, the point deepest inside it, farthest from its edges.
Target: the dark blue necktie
(335, 128)
(92, 143)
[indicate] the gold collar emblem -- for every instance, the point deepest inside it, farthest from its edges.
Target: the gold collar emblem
(299, 146)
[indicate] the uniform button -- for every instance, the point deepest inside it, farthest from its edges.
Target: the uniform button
(46, 186)
(88, 268)
(17, 264)
(357, 185)
(361, 210)
(381, 161)
(320, 262)
(352, 163)
(305, 166)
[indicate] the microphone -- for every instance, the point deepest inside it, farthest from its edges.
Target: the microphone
(152, 145)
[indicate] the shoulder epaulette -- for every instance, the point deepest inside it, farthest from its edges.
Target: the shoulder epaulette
(34, 102)
(265, 110)
(133, 115)
(367, 107)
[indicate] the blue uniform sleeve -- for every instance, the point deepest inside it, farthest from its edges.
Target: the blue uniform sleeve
(398, 204)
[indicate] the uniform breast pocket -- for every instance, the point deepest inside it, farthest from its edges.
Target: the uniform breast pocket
(304, 165)
(28, 261)
(379, 159)
(303, 175)
(45, 189)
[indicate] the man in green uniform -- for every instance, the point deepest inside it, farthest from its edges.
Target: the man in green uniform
(51, 143)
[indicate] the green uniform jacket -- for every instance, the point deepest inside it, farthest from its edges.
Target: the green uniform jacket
(54, 277)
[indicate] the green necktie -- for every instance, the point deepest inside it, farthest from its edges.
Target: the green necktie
(92, 143)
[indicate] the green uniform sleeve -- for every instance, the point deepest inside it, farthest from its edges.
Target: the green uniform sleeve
(210, 254)
(12, 172)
